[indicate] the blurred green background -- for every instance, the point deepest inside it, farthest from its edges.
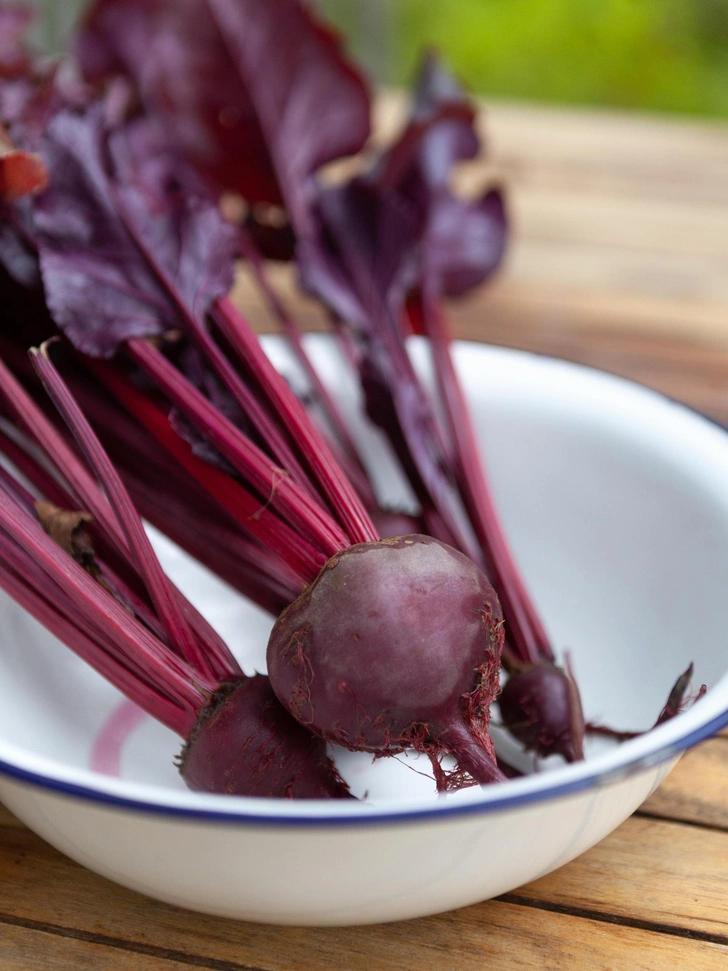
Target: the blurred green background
(668, 55)
(653, 54)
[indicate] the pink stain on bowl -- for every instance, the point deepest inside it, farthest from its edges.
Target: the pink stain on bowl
(106, 751)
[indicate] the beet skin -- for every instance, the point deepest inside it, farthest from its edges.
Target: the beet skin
(273, 755)
(395, 645)
(540, 706)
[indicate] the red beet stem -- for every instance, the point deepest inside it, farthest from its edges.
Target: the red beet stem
(254, 411)
(33, 471)
(302, 558)
(16, 491)
(294, 505)
(220, 660)
(144, 557)
(352, 459)
(26, 594)
(526, 633)
(244, 564)
(136, 645)
(339, 491)
(29, 415)
(189, 516)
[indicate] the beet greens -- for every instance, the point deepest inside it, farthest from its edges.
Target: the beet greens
(113, 242)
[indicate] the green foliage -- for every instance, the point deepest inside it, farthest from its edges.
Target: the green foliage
(653, 54)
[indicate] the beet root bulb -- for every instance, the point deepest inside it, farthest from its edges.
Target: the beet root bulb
(246, 743)
(540, 706)
(395, 645)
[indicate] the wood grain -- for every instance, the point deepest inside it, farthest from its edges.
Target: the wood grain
(642, 872)
(503, 935)
(696, 791)
(7, 818)
(33, 949)
(638, 874)
(618, 261)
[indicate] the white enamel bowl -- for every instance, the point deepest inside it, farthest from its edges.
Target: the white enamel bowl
(616, 502)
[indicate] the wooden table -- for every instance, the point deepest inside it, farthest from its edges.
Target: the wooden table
(620, 260)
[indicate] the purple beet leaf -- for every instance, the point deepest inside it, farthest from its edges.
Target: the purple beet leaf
(256, 95)
(462, 240)
(115, 264)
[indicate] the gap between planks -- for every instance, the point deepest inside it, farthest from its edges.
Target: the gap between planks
(25, 946)
(553, 941)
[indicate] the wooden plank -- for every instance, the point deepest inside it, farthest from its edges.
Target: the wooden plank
(654, 871)
(7, 818)
(503, 936)
(605, 269)
(625, 153)
(644, 340)
(607, 137)
(697, 789)
(622, 153)
(31, 949)
(618, 220)
(640, 874)
(600, 219)
(549, 308)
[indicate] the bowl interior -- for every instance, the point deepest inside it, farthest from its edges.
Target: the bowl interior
(616, 504)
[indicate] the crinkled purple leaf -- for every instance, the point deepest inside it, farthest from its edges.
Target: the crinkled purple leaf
(462, 241)
(385, 231)
(465, 241)
(258, 95)
(140, 156)
(117, 264)
(359, 259)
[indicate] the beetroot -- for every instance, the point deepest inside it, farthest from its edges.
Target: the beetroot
(540, 706)
(245, 742)
(395, 645)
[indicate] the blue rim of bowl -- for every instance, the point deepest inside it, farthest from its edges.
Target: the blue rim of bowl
(424, 815)
(428, 813)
